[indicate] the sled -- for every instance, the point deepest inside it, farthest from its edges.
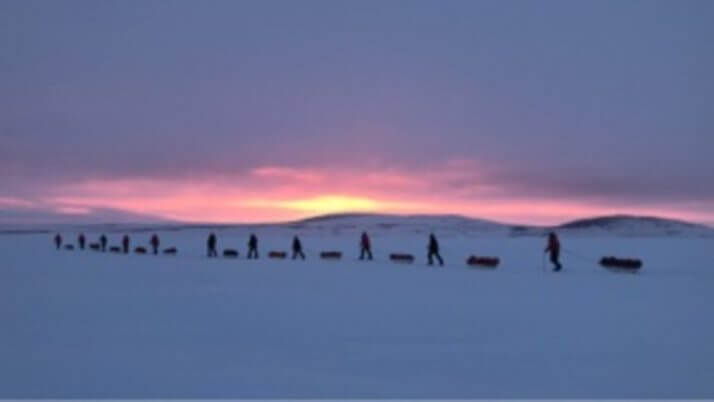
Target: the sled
(230, 253)
(170, 251)
(621, 264)
(140, 250)
(331, 255)
(69, 247)
(115, 249)
(402, 258)
(483, 262)
(280, 255)
(94, 246)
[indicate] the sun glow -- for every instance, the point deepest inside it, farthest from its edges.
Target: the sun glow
(329, 204)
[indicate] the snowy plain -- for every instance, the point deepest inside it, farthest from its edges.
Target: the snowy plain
(84, 324)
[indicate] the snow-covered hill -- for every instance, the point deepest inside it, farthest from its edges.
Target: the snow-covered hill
(403, 224)
(616, 225)
(627, 225)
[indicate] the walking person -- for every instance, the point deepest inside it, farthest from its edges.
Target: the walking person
(155, 243)
(211, 243)
(125, 244)
(297, 248)
(434, 251)
(58, 241)
(81, 240)
(365, 247)
(103, 242)
(252, 247)
(553, 248)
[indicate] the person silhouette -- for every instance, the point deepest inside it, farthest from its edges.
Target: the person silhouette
(434, 251)
(211, 243)
(365, 247)
(125, 244)
(103, 242)
(297, 248)
(155, 243)
(81, 240)
(553, 248)
(58, 241)
(252, 246)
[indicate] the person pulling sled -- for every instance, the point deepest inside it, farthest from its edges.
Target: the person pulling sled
(125, 244)
(211, 245)
(155, 243)
(434, 251)
(553, 248)
(297, 248)
(365, 247)
(103, 242)
(253, 247)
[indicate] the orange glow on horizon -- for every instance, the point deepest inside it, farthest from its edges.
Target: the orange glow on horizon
(276, 194)
(330, 204)
(323, 204)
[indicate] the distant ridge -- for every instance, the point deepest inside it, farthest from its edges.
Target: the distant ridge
(340, 216)
(584, 223)
(630, 225)
(619, 225)
(612, 225)
(618, 220)
(396, 217)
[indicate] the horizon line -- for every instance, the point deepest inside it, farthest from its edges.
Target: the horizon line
(171, 222)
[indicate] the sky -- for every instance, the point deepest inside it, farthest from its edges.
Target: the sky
(260, 111)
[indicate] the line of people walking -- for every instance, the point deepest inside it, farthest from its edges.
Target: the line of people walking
(298, 252)
(212, 244)
(433, 253)
(552, 248)
(101, 245)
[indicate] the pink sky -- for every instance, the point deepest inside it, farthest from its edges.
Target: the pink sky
(278, 193)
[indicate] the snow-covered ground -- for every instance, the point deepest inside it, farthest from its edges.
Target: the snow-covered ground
(91, 325)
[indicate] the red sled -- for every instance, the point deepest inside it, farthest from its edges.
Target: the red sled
(280, 255)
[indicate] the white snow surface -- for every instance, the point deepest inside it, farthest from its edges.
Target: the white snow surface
(83, 324)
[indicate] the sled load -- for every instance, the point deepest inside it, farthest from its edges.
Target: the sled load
(402, 258)
(69, 247)
(280, 255)
(622, 264)
(170, 251)
(331, 255)
(230, 253)
(115, 249)
(94, 246)
(483, 262)
(140, 250)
